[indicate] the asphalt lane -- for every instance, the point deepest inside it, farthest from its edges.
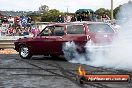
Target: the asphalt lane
(47, 72)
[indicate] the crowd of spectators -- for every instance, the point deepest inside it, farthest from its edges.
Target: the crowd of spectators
(21, 25)
(17, 26)
(82, 17)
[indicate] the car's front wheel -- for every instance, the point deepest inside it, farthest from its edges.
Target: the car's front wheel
(24, 52)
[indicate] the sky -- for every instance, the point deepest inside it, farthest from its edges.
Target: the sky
(62, 5)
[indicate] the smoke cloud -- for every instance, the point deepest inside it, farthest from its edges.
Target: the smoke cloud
(118, 55)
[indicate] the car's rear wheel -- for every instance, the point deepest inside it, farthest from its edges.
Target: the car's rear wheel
(24, 52)
(70, 54)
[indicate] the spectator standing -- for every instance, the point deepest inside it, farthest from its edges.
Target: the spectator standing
(17, 21)
(90, 17)
(0, 19)
(74, 18)
(68, 18)
(85, 17)
(94, 17)
(60, 19)
(79, 17)
(4, 26)
(105, 17)
(5, 20)
(35, 31)
(29, 21)
(11, 20)
(24, 21)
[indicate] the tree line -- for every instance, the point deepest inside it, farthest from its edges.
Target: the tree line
(49, 15)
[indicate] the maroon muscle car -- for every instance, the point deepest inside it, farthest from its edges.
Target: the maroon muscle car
(52, 37)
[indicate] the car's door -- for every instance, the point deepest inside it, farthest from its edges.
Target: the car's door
(41, 43)
(77, 34)
(56, 38)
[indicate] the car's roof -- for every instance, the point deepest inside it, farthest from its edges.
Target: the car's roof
(76, 23)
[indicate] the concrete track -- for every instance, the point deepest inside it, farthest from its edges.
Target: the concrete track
(47, 72)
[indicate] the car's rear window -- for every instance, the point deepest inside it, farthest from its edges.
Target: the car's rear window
(100, 28)
(75, 29)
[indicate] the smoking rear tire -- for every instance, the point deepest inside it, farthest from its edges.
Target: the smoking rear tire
(70, 55)
(24, 52)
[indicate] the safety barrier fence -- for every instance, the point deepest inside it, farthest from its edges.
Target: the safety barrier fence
(8, 41)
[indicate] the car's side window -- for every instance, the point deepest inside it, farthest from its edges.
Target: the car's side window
(59, 31)
(75, 29)
(53, 31)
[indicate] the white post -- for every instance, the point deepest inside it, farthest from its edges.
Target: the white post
(111, 10)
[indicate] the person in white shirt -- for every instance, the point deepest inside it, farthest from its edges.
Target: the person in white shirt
(68, 18)
(11, 20)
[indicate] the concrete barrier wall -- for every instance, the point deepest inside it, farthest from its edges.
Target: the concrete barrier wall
(7, 42)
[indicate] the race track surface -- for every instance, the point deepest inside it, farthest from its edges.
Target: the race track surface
(47, 72)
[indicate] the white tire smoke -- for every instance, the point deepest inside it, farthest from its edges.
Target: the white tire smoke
(117, 56)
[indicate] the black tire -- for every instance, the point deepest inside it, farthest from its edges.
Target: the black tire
(24, 52)
(81, 80)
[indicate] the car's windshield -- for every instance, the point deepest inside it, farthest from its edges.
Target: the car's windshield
(53, 31)
(100, 28)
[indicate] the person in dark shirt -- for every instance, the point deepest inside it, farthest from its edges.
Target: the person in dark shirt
(86, 17)
(0, 19)
(60, 19)
(105, 17)
(74, 18)
(79, 17)
(29, 21)
(4, 20)
(25, 31)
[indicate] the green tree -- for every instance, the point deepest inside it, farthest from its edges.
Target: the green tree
(51, 15)
(43, 8)
(100, 12)
(35, 16)
(126, 6)
(116, 10)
